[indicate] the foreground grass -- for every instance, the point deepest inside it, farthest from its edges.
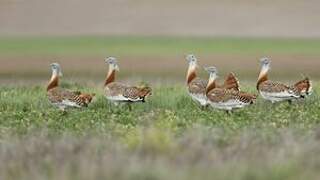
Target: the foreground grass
(165, 46)
(24, 108)
(166, 138)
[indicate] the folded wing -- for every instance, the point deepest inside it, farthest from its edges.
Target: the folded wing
(69, 98)
(197, 86)
(120, 92)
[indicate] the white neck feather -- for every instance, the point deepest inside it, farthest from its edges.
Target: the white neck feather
(55, 73)
(212, 77)
(264, 70)
(192, 67)
(111, 69)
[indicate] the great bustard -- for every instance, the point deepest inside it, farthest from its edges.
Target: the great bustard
(275, 91)
(225, 99)
(121, 93)
(64, 98)
(197, 87)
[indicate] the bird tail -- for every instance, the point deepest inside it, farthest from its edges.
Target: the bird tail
(145, 91)
(304, 87)
(86, 98)
(231, 82)
(247, 97)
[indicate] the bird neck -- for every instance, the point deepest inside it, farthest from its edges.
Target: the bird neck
(211, 83)
(54, 81)
(263, 76)
(111, 76)
(191, 74)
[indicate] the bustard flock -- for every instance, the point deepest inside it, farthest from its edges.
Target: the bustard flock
(207, 93)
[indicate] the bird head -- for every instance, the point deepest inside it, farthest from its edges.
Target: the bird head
(113, 64)
(56, 69)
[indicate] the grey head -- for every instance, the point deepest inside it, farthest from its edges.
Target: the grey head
(56, 69)
(213, 73)
(191, 59)
(113, 63)
(211, 70)
(265, 61)
(111, 60)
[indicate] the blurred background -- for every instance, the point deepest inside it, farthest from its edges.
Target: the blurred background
(151, 37)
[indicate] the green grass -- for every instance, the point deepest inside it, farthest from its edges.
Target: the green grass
(28, 108)
(143, 46)
(168, 137)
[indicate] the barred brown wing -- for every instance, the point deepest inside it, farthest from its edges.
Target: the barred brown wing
(197, 86)
(58, 95)
(273, 87)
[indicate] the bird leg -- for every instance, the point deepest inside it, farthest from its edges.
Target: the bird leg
(129, 106)
(229, 112)
(203, 108)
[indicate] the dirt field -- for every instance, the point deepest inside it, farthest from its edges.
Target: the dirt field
(251, 18)
(163, 69)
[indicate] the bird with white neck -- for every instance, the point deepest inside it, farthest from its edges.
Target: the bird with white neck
(117, 92)
(276, 91)
(197, 86)
(64, 98)
(225, 99)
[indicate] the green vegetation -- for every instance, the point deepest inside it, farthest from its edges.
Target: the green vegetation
(138, 46)
(168, 137)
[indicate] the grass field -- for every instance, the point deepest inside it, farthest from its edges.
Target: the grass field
(158, 46)
(168, 137)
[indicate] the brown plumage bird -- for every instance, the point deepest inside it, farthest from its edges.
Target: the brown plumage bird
(197, 87)
(118, 92)
(225, 99)
(64, 98)
(275, 91)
